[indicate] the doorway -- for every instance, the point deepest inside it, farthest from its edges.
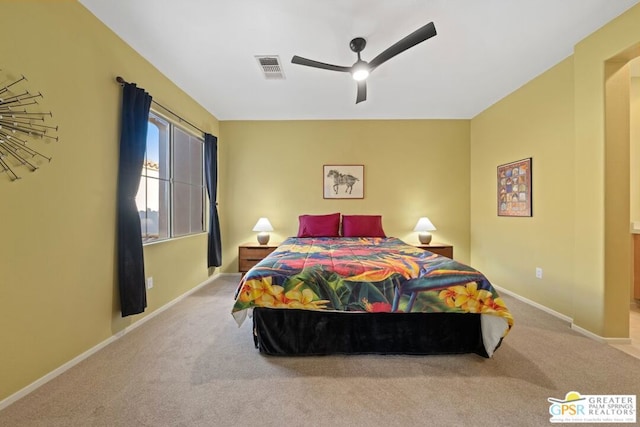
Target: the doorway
(622, 233)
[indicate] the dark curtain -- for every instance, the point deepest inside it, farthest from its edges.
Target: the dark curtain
(214, 249)
(133, 141)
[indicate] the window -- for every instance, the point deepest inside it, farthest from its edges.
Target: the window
(171, 196)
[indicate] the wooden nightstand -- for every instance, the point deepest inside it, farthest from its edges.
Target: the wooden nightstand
(249, 254)
(438, 248)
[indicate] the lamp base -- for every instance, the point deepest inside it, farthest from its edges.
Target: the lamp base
(425, 238)
(263, 238)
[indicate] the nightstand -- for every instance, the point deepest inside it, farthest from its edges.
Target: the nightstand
(438, 248)
(249, 254)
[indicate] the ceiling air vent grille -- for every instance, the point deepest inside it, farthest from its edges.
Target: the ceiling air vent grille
(271, 67)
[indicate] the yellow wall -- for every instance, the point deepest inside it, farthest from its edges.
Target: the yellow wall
(603, 296)
(634, 164)
(412, 168)
(536, 121)
(618, 243)
(634, 137)
(579, 233)
(58, 292)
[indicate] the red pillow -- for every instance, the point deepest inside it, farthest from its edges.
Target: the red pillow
(362, 226)
(319, 225)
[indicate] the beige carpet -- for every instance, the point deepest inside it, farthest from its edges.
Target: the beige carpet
(192, 366)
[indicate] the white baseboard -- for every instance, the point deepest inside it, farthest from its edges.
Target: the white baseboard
(618, 341)
(598, 338)
(568, 319)
(73, 362)
(534, 304)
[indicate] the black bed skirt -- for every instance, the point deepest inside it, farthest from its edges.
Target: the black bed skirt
(290, 332)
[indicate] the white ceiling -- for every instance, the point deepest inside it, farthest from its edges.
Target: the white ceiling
(484, 50)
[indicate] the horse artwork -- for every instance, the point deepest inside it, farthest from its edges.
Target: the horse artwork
(343, 181)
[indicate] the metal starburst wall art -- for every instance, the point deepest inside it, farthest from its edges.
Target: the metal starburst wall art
(21, 124)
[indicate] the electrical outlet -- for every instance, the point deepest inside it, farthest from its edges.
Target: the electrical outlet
(538, 272)
(149, 282)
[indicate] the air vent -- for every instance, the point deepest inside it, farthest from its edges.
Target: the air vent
(271, 67)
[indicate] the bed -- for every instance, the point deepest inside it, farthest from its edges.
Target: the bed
(359, 295)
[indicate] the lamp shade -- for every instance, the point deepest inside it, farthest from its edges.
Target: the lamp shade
(263, 224)
(424, 224)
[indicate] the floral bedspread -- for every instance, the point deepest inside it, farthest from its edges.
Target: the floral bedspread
(372, 275)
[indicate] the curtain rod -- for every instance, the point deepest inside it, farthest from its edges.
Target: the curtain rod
(123, 81)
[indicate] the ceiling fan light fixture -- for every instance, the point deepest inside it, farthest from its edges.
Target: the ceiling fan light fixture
(359, 75)
(360, 71)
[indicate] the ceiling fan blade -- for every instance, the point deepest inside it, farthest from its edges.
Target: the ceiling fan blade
(311, 63)
(362, 91)
(418, 36)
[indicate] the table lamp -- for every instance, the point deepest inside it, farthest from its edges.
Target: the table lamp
(424, 226)
(263, 226)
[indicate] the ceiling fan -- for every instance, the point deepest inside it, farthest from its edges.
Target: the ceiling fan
(360, 70)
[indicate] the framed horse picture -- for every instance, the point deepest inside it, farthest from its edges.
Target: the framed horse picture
(343, 181)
